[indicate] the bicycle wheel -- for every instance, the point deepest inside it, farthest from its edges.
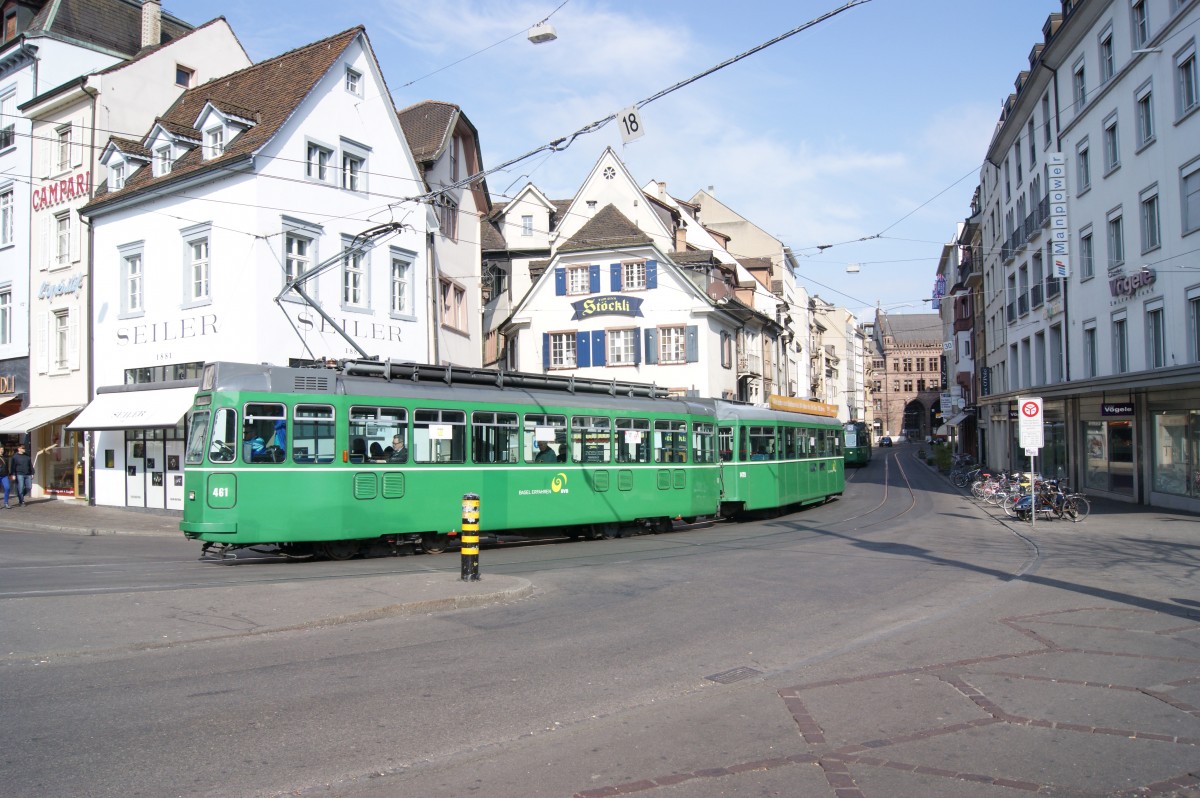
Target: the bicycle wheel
(959, 480)
(1076, 508)
(1009, 504)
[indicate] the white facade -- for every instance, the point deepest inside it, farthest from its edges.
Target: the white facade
(190, 272)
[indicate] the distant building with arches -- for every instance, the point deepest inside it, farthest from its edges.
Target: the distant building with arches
(907, 389)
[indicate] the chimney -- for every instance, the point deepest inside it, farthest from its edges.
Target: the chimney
(151, 23)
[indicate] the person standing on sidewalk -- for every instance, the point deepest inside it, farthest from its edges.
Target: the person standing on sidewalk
(4, 480)
(20, 468)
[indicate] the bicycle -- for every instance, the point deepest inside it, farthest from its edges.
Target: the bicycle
(1075, 507)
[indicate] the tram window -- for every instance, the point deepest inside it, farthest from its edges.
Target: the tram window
(633, 440)
(224, 436)
(196, 437)
(702, 444)
(439, 436)
(670, 441)
(791, 442)
(313, 434)
(822, 443)
(548, 429)
(378, 434)
(495, 437)
(762, 443)
(837, 442)
(725, 442)
(264, 432)
(591, 439)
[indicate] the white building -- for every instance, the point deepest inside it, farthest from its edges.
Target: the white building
(243, 185)
(1110, 109)
(47, 46)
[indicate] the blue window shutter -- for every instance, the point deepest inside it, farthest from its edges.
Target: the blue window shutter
(691, 341)
(598, 348)
(637, 346)
(651, 347)
(546, 351)
(560, 281)
(583, 352)
(652, 274)
(594, 278)
(614, 271)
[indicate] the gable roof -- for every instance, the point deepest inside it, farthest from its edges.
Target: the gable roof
(429, 127)
(268, 92)
(114, 25)
(912, 328)
(608, 229)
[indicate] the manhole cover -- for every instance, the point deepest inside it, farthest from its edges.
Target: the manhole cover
(735, 675)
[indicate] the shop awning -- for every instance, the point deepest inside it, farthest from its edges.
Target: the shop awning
(957, 419)
(135, 409)
(33, 417)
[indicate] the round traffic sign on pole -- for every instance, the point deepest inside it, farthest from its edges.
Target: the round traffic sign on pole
(1030, 422)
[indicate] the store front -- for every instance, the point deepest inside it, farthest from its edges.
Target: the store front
(57, 452)
(1109, 440)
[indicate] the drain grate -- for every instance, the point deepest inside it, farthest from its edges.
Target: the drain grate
(735, 675)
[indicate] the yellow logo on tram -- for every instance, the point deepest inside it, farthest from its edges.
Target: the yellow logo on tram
(559, 483)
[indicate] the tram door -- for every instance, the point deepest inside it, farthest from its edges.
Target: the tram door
(156, 466)
(135, 479)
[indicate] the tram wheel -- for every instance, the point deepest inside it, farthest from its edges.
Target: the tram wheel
(433, 544)
(605, 531)
(341, 549)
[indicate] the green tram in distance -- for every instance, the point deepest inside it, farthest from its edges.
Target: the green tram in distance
(371, 456)
(858, 443)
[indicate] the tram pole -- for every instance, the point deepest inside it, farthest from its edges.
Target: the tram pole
(470, 538)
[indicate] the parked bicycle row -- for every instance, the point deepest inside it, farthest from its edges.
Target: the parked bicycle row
(1022, 495)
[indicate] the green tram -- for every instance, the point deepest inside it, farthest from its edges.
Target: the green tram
(374, 455)
(857, 436)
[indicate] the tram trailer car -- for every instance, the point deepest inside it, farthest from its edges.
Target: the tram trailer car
(857, 437)
(328, 462)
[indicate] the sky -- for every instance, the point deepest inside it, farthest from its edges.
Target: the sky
(856, 141)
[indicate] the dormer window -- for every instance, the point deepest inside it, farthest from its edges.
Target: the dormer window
(214, 142)
(116, 176)
(162, 161)
(354, 82)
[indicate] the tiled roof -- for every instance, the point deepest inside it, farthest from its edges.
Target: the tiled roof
(268, 92)
(608, 229)
(427, 126)
(130, 147)
(491, 239)
(693, 256)
(913, 328)
(111, 24)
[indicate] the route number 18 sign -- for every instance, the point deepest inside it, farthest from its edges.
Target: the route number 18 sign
(1029, 420)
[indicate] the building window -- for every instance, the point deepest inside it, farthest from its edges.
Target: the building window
(1116, 242)
(1031, 130)
(1144, 106)
(578, 280)
(454, 306)
(6, 309)
(1186, 96)
(316, 162)
(448, 218)
(1112, 145)
(672, 345)
(354, 276)
(1087, 255)
(1083, 167)
(1046, 121)
(908, 364)
(8, 120)
(7, 216)
(1140, 24)
(116, 176)
(526, 225)
(162, 161)
(133, 283)
(1120, 332)
(1090, 355)
(183, 76)
(62, 339)
(1193, 298)
(354, 82)
(401, 293)
(1151, 234)
(908, 386)
(62, 238)
(622, 347)
(297, 257)
(1079, 87)
(1108, 64)
(353, 168)
(1156, 338)
(214, 142)
(633, 276)
(198, 270)
(562, 350)
(1190, 191)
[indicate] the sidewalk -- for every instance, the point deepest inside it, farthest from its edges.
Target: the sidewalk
(55, 515)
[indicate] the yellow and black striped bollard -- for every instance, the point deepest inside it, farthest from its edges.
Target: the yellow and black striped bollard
(470, 538)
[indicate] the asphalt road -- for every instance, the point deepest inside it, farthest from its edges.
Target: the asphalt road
(632, 660)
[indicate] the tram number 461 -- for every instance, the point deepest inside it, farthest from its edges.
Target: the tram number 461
(220, 493)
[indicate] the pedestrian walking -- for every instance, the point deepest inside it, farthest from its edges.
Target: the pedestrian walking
(5, 482)
(20, 469)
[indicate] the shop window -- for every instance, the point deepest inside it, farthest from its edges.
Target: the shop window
(1109, 456)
